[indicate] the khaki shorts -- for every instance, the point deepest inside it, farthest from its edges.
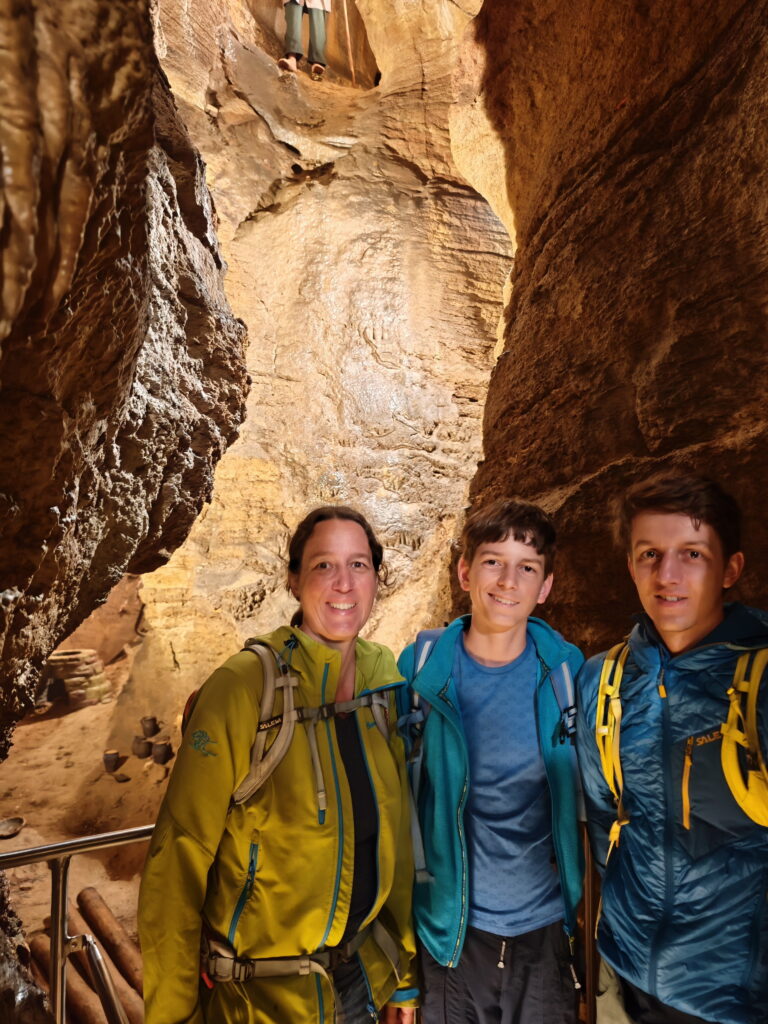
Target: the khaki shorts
(610, 999)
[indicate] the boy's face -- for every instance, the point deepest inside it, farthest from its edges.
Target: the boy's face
(505, 581)
(680, 573)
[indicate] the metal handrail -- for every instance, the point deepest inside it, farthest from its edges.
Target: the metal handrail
(58, 856)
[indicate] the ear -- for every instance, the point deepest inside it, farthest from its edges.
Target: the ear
(293, 584)
(631, 567)
(733, 569)
(546, 586)
(462, 571)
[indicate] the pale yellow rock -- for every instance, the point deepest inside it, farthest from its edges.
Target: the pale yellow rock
(372, 328)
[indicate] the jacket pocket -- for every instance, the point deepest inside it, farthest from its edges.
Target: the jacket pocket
(247, 889)
(707, 813)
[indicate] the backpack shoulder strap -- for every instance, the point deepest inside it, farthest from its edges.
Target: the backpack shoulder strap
(565, 695)
(747, 776)
(411, 727)
(263, 764)
(608, 730)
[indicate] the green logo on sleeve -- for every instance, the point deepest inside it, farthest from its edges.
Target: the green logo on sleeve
(201, 740)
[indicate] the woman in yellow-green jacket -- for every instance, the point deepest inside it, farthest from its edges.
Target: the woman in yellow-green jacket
(293, 905)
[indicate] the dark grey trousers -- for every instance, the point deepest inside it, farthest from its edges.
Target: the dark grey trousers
(645, 1009)
(534, 985)
(293, 44)
(353, 995)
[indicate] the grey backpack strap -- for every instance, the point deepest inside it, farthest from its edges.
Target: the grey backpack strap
(378, 703)
(262, 765)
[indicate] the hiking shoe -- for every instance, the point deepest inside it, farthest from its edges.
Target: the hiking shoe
(317, 71)
(288, 63)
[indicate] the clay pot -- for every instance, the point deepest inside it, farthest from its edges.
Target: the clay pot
(149, 726)
(111, 760)
(162, 751)
(141, 746)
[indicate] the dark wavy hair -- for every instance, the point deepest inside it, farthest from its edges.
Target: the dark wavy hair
(510, 517)
(698, 497)
(304, 531)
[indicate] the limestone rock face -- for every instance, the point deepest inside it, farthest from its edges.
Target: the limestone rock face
(636, 156)
(120, 361)
(370, 277)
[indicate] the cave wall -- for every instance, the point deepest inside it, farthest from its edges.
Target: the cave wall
(636, 160)
(370, 276)
(120, 361)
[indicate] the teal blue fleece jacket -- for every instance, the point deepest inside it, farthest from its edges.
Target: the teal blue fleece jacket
(440, 903)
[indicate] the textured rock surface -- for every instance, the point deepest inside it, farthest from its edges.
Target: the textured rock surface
(370, 277)
(636, 156)
(121, 364)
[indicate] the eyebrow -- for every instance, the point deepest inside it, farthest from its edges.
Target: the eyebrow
(355, 554)
(533, 557)
(685, 544)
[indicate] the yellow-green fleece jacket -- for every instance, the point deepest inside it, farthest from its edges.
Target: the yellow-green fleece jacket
(272, 877)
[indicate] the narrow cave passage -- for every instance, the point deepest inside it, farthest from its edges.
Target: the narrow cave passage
(566, 203)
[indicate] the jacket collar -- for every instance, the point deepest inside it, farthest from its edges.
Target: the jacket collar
(435, 682)
(315, 662)
(742, 629)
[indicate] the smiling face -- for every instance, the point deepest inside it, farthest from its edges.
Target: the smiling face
(336, 583)
(505, 581)
(680, 573)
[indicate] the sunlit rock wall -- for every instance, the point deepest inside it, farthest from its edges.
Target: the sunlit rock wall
(370, 277)
(636, 151)
(120, 361)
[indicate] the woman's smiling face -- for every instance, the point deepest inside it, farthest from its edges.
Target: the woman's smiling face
(336, 584)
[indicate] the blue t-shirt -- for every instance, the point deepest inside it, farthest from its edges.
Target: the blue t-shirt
(513, 884)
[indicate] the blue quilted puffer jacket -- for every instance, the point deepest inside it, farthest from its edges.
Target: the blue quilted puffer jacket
(685, 893)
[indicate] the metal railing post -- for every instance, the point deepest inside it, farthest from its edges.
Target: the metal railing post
(102, 979)
(58, 856)
(59, 937)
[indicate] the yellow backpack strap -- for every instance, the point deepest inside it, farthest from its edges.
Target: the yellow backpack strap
(608, 730)
(608, 717)
(750, 788)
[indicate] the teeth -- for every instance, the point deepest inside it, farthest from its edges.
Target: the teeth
(342, 607)
(500, 600)
(673, 600)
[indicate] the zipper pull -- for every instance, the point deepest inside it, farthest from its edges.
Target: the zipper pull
(500, 964)
(574, 975)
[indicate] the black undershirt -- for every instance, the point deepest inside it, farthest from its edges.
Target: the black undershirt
(365, 815)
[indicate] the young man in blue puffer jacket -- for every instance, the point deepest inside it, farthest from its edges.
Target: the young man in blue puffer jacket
(685, 889)
(495, 901)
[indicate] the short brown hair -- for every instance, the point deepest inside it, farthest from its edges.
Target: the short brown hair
(698, 497)
(505, 517)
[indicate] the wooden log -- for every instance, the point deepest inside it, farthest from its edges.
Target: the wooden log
(132, 1002)
(115, 939)
(82, 1002)
(38, 977)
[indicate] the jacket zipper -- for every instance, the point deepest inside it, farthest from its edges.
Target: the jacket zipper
(668, 838)
(246, 892)
(546, 673)
(463, 846)
(462, 841)
(687, 765)
(559, 859)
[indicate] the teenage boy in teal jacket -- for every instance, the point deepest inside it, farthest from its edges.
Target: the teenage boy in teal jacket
(489, 726)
